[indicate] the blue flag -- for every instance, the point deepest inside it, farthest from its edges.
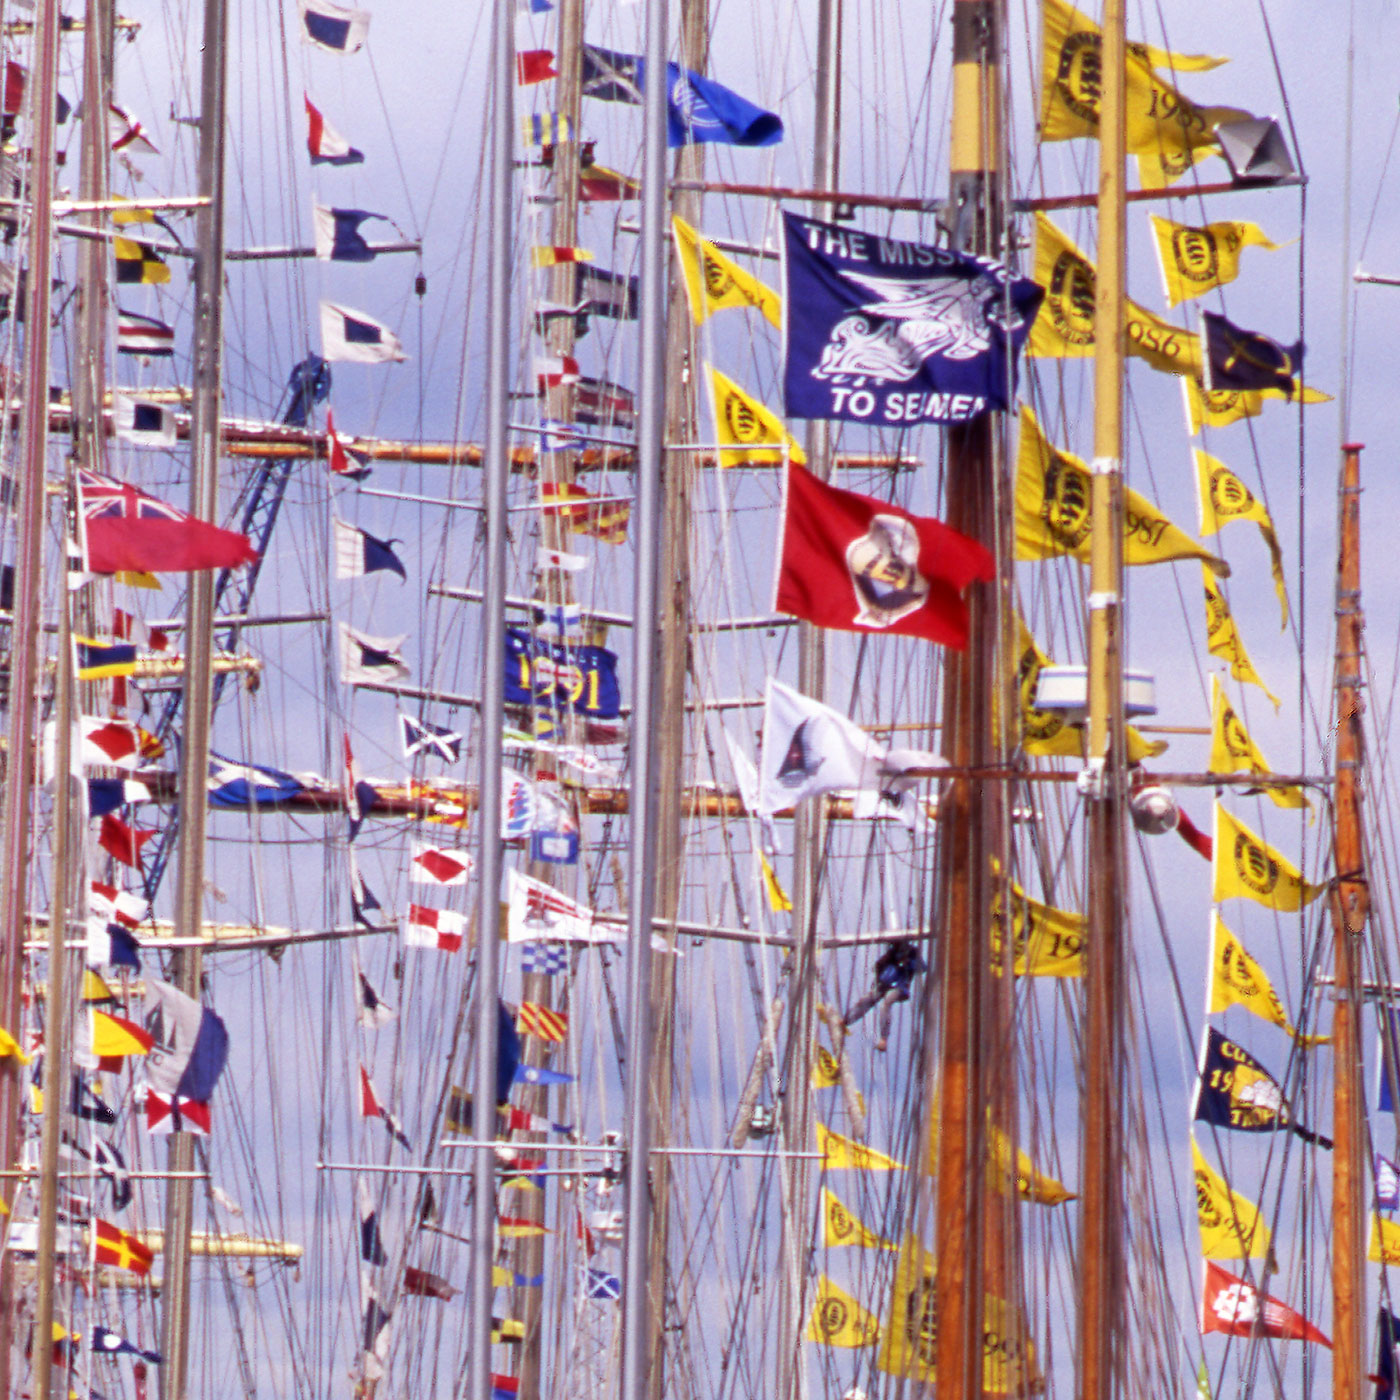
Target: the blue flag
(581, 678)
(338, 236)
(1388, 1335)
(697, 109)
(507, 1052)
(544, 958)
(1244, 360)
(241, 785)
(112, 1344)
(538, 1074)
(602, 1284)
(418, 736)
(891, 333)
(371, 1245)
(1389, 1066)
(358, 553)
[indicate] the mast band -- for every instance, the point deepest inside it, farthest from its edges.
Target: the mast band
(1106, 466)
(1098, 601)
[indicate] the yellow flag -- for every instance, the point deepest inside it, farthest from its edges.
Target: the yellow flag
(10, 1046)
(826, 1069)
(1237, 980)
(1223, 639)
(713, 281)
(910, 1346)
(841, 1229)
(838, 1320)
(1225, 498)
(1385, 1241)
(1031, 1183)
(745, 424)
(1195, 259)
(1218, 408)
(839, 1152)
(778, 901)
(116, 1038)
(1231, 1227)
(1245, 868)
(1045, 941)
(94, 988)
(1052, 510)
(1233, 751)
(1065, 326)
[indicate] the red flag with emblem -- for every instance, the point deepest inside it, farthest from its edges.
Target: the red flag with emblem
(1237, 1308)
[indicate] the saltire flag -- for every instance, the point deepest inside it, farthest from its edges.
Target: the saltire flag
(602, 1285)
(143, 335)
(610, 294)
(333, 27)
(605, 518)
(544, 961)
(1237, 1308)
(425, 927)
(431, 866)
(126, 133)
(338, 236)
(1247, 360)
(123, 530)
(896, 333)
(371, 1107)
(366, 660)
(698, 109)
(325, 144)
(362, 900)
(146, 424)
(122, 841)
(541, 1021)
(841, 1153)
(182, 1079)
(358, 553)
(1387, 1183)
(356, 338)
(343, 461)
(420, 737)
(103, 660)
(809, 748)
(539, 1075)
(1235, 1091)
(113, 916)
(537, 911)
(241, 785)
(838, 1320)
(1196, 260)
(139, 263)
(858, 564)
(749, 433)
(581, 678)
(419, 1283)
(534, 66)
(110, 1343)
(1245, 867)
(1387, 1337)
(373, 1010)
(371, 1245)
(599, 403)
(552, 255)
(113, 1246)
(545, 128)
(713, 281)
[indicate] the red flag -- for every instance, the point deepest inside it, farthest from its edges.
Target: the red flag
(340, 459)
(114, 1246)
(1237, 1308)
(534, 66)
(422, 1284)
(122, 842)
(862, 565)
(432, 866)
(1198, 840)
(126, 530)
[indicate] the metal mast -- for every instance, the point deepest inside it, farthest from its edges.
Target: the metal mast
(1102, 1267)
(186, 966)
(1350, 907)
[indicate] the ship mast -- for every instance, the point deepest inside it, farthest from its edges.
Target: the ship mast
(1102, 1267)
(1350, 906)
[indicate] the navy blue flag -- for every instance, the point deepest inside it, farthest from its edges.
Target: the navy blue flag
(1388, 1068)
(371, 1245)
(582, 678)
(338, 236)
(507, 1052)
(1237, 359)
(604, 1285)
(1235, 1091)
(604, 293)
(362, 900)
(697, 109)
(1387, 1335)
(892, 333)
(358, 553)
(113, 1344)
(240, 785)
(418, 736)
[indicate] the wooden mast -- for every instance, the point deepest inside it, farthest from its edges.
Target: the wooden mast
(1102, 1268)
(968, 810)
(1350, 906)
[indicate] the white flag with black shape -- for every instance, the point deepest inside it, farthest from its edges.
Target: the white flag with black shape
(333, 27)
(366, 660)
(355, 338)
(809, 748)
(145, 424)
(358, 553)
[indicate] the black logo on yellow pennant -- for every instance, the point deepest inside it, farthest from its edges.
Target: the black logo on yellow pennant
(1064, 503)
(1255, 867)
(1069, 300)
(1197, 255)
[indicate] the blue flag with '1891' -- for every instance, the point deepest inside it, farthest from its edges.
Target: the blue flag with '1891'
(888, 332)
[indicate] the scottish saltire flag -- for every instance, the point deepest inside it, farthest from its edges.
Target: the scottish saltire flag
(697, 109)
(545, 960)
(892, 333)
(325, 144)
(338, 236)
(418, 736)
(241, 785)
(356, 338)
(145, 424)
(333, 27)
(601, 1284)
(358, 553)
(366, 660)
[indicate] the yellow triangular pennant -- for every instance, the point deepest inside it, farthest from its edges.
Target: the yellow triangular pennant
(839, 1153)
(1225, 498)
(1385, 1241)
(838, 1320)
(1245, 868)
(1233, 751)
(1045, 941)
(1231, 1226)
(713, 281)
(745, 428)
(1223, 639)
(1196, 260)
(1237, 980)
(841, 1229)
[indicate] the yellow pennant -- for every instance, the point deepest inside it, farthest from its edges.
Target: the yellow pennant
(1218, 408)
(1002, 1159)
(838, 1320)
(841, 1229)
(744, 428)
(1046, 733)
(1237, 980)
(839, 1153)
(1233, 751)
(10, 1046)
(778, 901)
(95, 989)
(826, 1068)
(116, 1038)
(1231, 1226)
(1194, 260)
(713, 281)
(1385, 1241)
(910, 1346)
(1052, 510)
(1045, 941)
(1245, 868)
(1223, 639)
(1065, 326)
(1225, 498)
